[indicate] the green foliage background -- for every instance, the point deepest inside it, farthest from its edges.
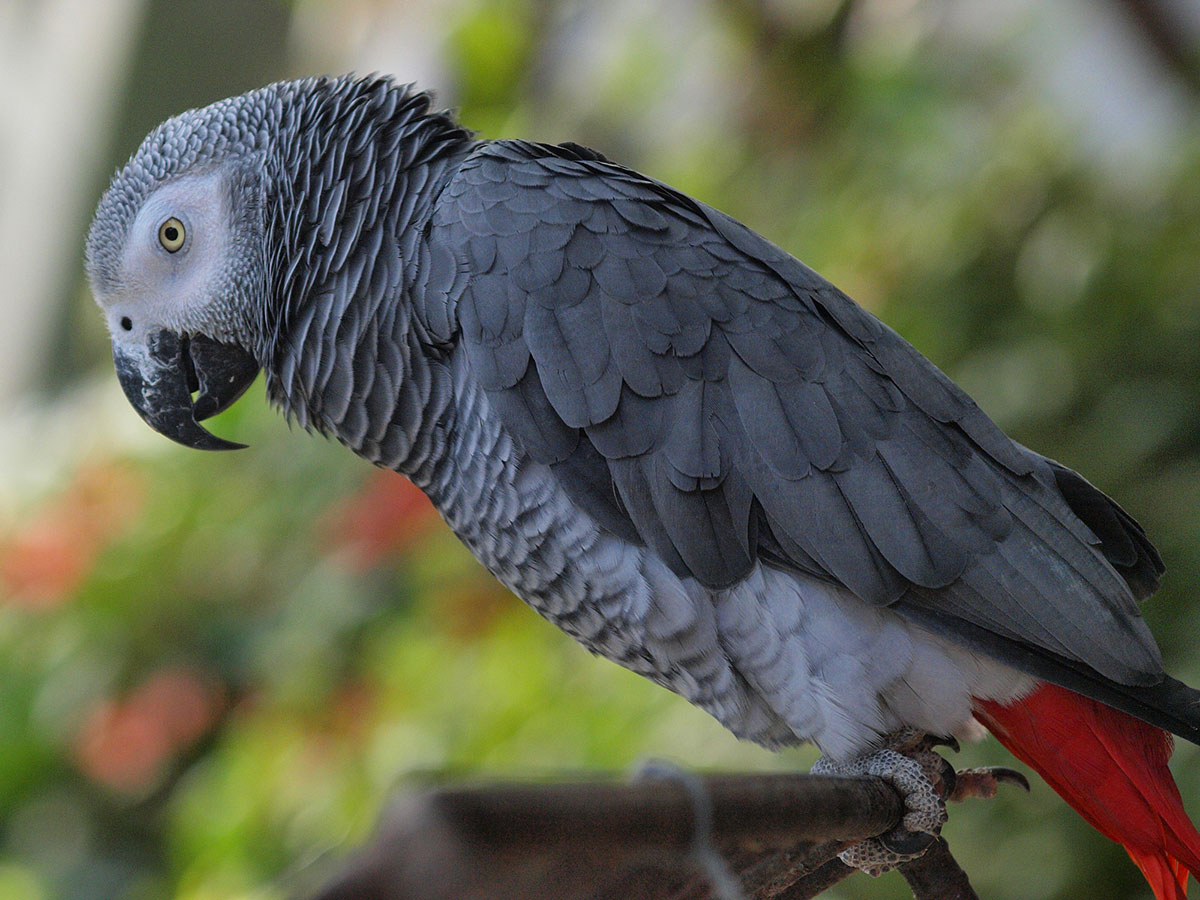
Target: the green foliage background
(214, 669)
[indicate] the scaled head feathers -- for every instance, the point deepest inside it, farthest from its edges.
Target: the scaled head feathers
(229, 219)
(203, 168)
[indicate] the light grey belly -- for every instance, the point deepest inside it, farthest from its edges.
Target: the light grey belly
(778, 658)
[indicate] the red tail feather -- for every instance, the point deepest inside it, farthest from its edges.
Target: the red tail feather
(1112, 768)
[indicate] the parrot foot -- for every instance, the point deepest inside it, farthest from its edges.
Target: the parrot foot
(923, 779)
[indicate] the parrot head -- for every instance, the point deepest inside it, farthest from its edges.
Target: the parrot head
(176, 258)
(238, 235)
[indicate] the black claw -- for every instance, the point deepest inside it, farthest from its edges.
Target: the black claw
(903, 842)
(949, 779)
(934, 740)
(1010, 776)
(983, 782)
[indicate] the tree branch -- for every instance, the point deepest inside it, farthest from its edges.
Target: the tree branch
(937, 875)
(779, 834)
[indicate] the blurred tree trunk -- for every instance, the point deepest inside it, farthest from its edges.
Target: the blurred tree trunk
(60, 64)
(1167, 34)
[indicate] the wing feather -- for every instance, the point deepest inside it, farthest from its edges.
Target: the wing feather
(704, 391)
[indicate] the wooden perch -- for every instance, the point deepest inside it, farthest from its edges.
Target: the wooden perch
(647, 840)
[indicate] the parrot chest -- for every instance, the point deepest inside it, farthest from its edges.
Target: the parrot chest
(510, 514)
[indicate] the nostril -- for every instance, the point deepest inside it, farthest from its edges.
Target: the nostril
(127, 323)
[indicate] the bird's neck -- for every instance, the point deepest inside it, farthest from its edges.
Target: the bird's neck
(354, 186)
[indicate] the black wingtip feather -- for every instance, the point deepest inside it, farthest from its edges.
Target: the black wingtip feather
(1122, 540)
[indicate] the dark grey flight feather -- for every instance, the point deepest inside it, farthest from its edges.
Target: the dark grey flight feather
(461, 310)
(743, 406)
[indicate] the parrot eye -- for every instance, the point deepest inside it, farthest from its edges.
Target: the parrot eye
(171, 234)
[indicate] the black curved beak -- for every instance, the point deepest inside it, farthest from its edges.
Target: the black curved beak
(159, 380)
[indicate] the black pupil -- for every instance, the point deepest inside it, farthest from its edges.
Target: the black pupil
(171, 233)
(126, 323)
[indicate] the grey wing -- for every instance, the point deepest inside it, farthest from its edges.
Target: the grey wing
(705, 394)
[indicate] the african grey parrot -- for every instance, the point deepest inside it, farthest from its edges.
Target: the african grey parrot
(668, 436)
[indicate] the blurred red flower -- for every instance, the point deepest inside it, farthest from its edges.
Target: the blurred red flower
(127, 743)
(385, 517)
(44, 561)
(353, 711)
(470, 610)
